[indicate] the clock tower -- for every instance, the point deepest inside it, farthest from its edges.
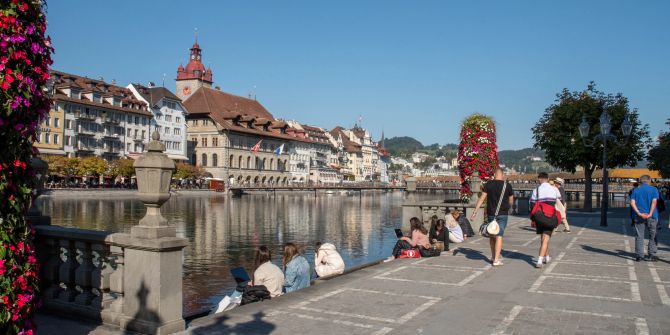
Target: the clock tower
(194, 75)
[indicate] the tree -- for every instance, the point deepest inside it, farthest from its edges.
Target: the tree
(93, 165)
(56, 164)
(659, 155)
(25, 56)
(557, 133)
(186, 171)
(122, 167)
(71, 166)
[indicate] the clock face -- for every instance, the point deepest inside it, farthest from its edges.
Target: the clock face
(192, 56)
(186, 90)
(198, 57)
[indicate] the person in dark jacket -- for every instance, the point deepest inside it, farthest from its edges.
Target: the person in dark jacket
(438, 234)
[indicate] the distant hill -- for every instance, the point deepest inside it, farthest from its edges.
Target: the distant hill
(402, 146)
(521, 160)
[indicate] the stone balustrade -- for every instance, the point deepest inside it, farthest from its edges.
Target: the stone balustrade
(81, 273)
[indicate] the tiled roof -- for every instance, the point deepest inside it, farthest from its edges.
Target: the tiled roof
(349, 146)
(234, 113)
(154, 94)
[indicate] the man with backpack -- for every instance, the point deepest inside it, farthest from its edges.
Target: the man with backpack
(544, 215)
(643, 201)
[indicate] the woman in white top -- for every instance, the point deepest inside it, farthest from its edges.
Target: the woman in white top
(455, 231)
(327, 261)
(266, 273)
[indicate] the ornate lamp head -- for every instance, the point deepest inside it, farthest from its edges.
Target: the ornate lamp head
(605, 123)
(584, 128)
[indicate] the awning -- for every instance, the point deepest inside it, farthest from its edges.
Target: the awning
(178, 157)
(51, 151)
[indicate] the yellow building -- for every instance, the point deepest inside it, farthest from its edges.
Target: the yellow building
(50, 133)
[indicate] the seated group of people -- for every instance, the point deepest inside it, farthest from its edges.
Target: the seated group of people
(454, 228)
(297, 272)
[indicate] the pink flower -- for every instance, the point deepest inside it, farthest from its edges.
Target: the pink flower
(2, 267)
(23, 299)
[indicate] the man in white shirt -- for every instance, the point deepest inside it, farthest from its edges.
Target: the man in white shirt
(547, 194)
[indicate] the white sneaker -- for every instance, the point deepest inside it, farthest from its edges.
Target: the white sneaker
(538, 265)
(547, 259)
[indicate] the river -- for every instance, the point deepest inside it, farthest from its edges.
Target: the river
(223, 231)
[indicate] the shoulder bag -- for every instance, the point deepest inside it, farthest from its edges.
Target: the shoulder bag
(492, 228)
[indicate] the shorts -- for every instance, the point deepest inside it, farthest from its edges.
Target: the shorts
(541, 230)
(502, 223)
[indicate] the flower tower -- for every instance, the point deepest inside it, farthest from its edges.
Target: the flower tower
(25, 56)
(477, 151)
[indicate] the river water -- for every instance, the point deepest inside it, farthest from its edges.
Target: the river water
(223, 231)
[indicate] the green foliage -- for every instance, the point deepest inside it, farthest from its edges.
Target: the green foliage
(92, 166)
(427, 163)
(659, 154)
(402, 146)
(519, 160)
(557, 132)
(186, 171)
(122, 167)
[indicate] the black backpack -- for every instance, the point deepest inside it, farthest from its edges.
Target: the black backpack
(254, 293)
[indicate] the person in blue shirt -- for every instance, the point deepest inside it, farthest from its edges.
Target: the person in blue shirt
(643, 201)
(296, 269)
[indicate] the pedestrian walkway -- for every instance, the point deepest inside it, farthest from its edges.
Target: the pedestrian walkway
(592, 286)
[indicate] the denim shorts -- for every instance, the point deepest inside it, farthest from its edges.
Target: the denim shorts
(502, 223)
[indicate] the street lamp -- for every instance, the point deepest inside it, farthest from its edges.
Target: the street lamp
(604, 137)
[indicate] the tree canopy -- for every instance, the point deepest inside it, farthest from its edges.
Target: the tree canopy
(122, 167)
(557, 131)
(659, 154)
(185, 171)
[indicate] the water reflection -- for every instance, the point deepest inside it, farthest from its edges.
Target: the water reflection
(224, 231)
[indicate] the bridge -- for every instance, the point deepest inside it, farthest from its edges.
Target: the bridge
(522, 189)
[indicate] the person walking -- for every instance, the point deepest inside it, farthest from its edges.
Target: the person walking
(643, 201)
(547, 194)
(493, 195)
(562, 204)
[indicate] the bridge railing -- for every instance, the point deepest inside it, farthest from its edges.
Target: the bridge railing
(82, 273)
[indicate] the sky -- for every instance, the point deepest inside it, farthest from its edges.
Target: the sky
(409, 68)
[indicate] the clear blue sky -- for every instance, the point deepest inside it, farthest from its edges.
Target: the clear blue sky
(412, 68)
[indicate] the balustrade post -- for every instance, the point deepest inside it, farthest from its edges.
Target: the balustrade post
(112, 297)
(83, 273)
(49, 252)
(66, 272)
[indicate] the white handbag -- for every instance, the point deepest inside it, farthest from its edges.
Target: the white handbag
(493, 228)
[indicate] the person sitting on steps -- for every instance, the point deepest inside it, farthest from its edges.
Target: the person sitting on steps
(419, 238)
(327, 261)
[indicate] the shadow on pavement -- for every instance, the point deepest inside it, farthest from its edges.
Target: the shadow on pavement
(257, 326)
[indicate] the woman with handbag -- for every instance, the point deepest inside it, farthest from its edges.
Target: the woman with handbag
(499, 197)
(439, 236)
(419, 238)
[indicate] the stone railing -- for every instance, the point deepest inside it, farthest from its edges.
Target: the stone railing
(81, 274)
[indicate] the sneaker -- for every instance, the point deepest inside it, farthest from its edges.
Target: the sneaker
(538, 265)
(547, 259)
(638, 258)
(566, 231)
(389, 259)
(498, 263)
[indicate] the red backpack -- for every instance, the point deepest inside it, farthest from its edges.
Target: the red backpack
(545, 215)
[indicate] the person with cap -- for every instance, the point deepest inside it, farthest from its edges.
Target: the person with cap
(563, 206)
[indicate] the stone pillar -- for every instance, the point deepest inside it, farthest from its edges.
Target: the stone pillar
(476, 188)
(411, 184)
(153, 255)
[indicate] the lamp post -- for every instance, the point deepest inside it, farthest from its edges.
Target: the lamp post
(604, 136)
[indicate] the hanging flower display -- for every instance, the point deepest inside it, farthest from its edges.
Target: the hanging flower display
(25, 56)
(477, 151)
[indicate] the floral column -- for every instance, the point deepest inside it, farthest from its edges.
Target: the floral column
(25, 56)
(477, 151)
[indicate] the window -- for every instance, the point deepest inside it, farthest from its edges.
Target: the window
(128, 132)
(137, 148)
(177, 131)
(167, 130)
(144, 121)
(203, 160)
(57, 122)
(136, 132)
(177, 145)
(46, 138)
(68, 140)
(137, 120)
(56, 138)
(204, 142)
(215, 159)
(128, 147)
(144, 133)
(168, 118)
(47, 121)
(215, 141)
(68, 124)
(195, 141)
(178, 119)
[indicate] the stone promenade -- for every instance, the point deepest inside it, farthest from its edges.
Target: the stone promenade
(592, 286)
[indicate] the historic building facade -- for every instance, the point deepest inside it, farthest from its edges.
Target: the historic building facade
(169, 118)
(232, 137)
(91, 117)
